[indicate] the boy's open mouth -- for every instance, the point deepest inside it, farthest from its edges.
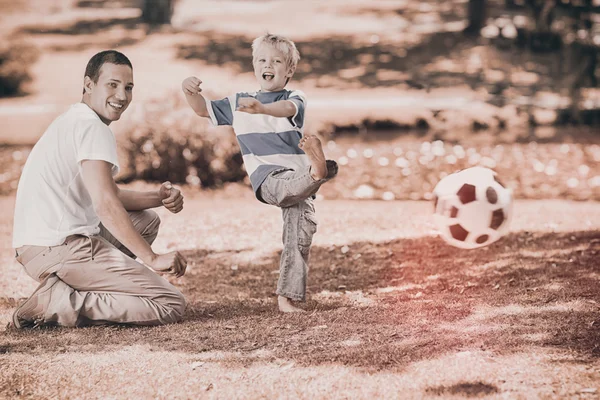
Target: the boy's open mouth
(267, 76)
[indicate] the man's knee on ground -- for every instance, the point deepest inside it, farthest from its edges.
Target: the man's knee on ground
(179, 308)
(175, 307)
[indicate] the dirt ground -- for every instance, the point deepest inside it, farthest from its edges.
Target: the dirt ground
(392, 311)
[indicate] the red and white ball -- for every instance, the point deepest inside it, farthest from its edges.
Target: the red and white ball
(472, 208)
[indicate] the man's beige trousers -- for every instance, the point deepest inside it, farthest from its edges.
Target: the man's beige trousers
(96, 281)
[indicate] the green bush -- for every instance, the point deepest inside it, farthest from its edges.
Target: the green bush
(15, 62)
(170, 143)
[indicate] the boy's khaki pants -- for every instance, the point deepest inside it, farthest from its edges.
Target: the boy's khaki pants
(93, 280)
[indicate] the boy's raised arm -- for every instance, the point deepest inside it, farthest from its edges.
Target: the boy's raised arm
(191, 89)
(279, 109)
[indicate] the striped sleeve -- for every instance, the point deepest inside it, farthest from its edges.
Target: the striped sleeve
(298, 98)
(220, 112)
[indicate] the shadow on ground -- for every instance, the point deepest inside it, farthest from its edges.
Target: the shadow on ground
(377, 306)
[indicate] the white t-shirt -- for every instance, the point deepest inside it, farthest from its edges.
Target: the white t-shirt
(52, 201)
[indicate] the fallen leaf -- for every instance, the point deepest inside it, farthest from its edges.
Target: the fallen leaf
(197, 364)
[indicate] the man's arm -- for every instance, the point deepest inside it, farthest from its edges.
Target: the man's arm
(103, 191)
(191, 89)
(136, 201)
(279, 109)
(166, 195)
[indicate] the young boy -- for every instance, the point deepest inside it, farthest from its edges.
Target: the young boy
(286, 168)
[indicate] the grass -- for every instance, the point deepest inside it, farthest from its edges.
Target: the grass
(406, 314)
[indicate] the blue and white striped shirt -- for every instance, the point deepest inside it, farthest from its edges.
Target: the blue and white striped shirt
(267, 143)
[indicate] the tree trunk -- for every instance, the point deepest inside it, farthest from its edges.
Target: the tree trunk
(157, 12)
(476, 14)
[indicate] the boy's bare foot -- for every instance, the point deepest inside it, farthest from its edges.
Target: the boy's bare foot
(286, 306)
(313, 149)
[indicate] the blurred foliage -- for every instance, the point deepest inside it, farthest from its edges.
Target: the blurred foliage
(15, 60)
(383, 167)
(569, 31)
(570, 28)
(400, 167)
(171, 143)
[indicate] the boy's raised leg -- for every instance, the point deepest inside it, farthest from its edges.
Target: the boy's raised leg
(313, 149)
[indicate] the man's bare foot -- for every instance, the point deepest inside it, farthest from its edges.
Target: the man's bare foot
(313, 149)
(286, 306)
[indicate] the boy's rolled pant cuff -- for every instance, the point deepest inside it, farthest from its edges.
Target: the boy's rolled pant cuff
(291, 296)
(332, 170)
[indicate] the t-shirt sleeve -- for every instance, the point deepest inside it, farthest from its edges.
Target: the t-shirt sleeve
(95, 141)
(220, 111)
(299, 99)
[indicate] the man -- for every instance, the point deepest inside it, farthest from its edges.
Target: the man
(77, 232)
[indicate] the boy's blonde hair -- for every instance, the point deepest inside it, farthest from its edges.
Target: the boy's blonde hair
(283, 44)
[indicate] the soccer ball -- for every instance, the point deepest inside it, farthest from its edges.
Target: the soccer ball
(472, 208)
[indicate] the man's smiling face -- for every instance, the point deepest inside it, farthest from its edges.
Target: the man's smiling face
(271, 69)
(111, 95)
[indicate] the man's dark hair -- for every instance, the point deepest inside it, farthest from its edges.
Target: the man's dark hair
(97, 61)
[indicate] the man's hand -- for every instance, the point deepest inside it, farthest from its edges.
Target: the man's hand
(171, 263)
(171, 197)
(250, 105)
(191, 86)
